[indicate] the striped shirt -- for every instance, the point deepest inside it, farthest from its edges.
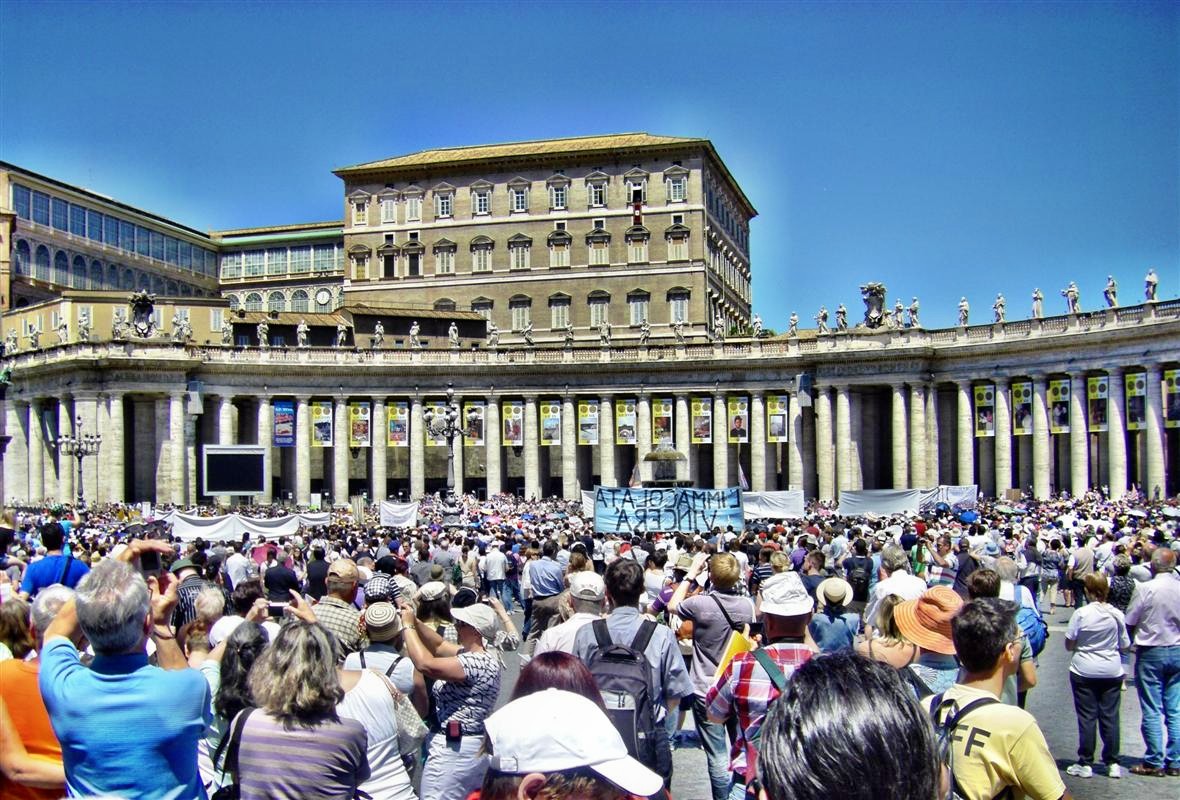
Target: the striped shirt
(325, 762)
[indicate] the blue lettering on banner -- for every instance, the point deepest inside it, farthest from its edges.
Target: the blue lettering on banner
(627, 511)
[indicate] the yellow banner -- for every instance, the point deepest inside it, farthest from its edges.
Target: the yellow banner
(359, 423)
(551, 423)
(777, 409)
(1172, 398)
(739, 420)
(625, 421)
(398, 422)
(321, 423)
(1097, 395)
(702, 420)
(985, 410)
(1136, 383)
(1059, 405)
(1022, 392)
(473, 424)
(661, 421)
(439, 407)
(588, 422)
(512, 412)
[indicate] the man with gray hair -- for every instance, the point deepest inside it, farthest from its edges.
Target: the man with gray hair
(588, 599)
(19, 692)
(126, 728)
(898, 581)
(1154, 613)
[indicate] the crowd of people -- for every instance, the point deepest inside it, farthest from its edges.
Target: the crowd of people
(351, 660)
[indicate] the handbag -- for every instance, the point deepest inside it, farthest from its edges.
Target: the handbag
(738, 642)
(411, 730)
(230, 744)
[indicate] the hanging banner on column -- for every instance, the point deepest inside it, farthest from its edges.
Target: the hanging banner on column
(1097, 392)
(702, 420)
(661, 421)
(588, 422)
(1059, 405)
(777, 406)
(1136, 400)
(359, 422)
(321, 423)
(513, 414)
(398, 422)
(625, 421)
(739, 420)
(283, 423)
(550, 422)
(1172, 398)
(473, 421)
(1022, 408)
(439, 409)
(985, 410)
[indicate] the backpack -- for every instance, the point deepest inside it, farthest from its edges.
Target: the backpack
(859, 577)
(624, 678)
(1033, 626)
(945, 723)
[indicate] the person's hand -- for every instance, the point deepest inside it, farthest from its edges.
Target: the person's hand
(299, 608)
(699, 562)
(164, 598)
(258, 612)
(409, 616)
(137, 547)
(496, 605)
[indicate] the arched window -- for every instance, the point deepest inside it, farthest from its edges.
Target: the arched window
(254, 301)
(234, 302)
(444, 304)
(277, 301)
(79, 273)
(186, 290)
(21, 258)
(96, 273)
(113, 277)
(157, 285)
(299, 300)
(128, 282)
(42, 269)
(61, 269)
(143, 282)
(172, 289)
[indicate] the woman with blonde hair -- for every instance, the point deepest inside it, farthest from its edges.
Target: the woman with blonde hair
(884, 641)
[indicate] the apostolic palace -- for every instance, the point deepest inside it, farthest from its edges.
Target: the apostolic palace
(587, 302)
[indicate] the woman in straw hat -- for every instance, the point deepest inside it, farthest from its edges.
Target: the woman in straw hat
(834, 627)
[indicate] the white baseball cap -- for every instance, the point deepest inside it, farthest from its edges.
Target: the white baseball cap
(533, 734)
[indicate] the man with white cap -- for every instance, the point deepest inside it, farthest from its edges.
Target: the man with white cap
(535, 751)
(588, 598)
(752, 681)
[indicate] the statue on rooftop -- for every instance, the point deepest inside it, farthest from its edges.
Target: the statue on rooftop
(416, 340)
(11, 342)
(1111, 292)
(1071, 295)
(964, 312)
(493, 339)
(301, 333)
(873, 295)
(84, 325)
(63, 331)
(821, 320)
(341, 333)
(841, 318)
(1038, 309)
(1150, 283)
(898, 310)
(527, 333)
(793, 325)
(453, 336)
(378, 337)
(999, 307)
(263, 331)
(912, 311)
(757, 329)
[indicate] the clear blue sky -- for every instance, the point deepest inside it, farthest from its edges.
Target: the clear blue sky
(943, 149)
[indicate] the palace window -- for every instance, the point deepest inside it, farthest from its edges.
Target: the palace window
(277, 301)
(559, 311)
(299, 301)
(481, 201)
(444, 204)
(253, 262)
(638, 304)
(413, 208)
(520, 199)
(599, 303)
(360, 212)
(388, 209)
(678, 305)
(521, 308)
(253, 302)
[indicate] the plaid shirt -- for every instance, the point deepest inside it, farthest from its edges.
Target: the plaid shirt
(745, 689)
(343, 620)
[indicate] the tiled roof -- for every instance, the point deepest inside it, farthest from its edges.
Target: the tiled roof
(579, 144)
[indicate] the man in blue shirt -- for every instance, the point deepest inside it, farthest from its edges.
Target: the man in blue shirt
(127, 729)
(55, 567)
(548, 580)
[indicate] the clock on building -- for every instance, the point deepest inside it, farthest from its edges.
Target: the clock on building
(323, 297)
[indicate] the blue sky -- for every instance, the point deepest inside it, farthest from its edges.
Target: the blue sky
(943, 149)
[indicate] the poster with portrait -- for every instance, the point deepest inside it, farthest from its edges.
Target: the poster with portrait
(588, 422)
(512, 415)
(739, 420)
(985, 410)
(1059, 405)
(1022, 392)
(283, 423)
(360, 420)
(1172, 398)
(1136, 383)
(397, 420)
(625, 421)
(550, 423)
(321, 423)
(1097, 394)
(474, 415)
(702, 420)
(439, 409)
(777, 406)
(661, 421)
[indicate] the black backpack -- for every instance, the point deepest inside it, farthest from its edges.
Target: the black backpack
(859, 576)
(624, 678)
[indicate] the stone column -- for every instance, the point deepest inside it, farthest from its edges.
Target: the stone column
(66, 493)
(265, 421)
(918, 436)
(1157, 482)
(966, 435)
(683, 437)
(643, 435)
(795, 443)
(1003, 438)
(225, 431)
(757, 443)
(532, 456)
(1079, 436)
(457, 448)
(900, 432)
(162, 450)
(825, 467)
(1040, 445)
(857, 445)
(178, 483)
(1116, 435)
(606, 441)
(379, 472)
(843, 440)
(494, 453)
(569, 449)
(417, 449)
(36, 452)
(720, 443)
(146, 419)
(932, 454)
(113, 438)
(340, 451)
(302, 450)
(16, 457)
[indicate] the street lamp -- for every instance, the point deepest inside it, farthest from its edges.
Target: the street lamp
(447, 425)
(78, 445)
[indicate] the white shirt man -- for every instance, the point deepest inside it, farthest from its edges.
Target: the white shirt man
(895, 562)
(495, 564)
(237, 568)
(587, 595)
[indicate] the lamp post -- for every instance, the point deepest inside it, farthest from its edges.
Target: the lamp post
(79, 445)
(447, 425)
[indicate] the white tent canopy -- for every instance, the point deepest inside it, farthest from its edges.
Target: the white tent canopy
(230, 527)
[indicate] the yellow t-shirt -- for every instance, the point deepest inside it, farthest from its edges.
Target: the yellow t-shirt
(998, 746)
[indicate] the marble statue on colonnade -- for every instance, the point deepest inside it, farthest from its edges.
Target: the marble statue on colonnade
(1000, 308)
(453, 336)
(913, 313)
(83, 325)
(873, 295)
(1150, 283)
(301, 333)
(964, 312)
(1072, 295)
(1111, 292)
(841, 318)
(227, 332)
(493, 339)
(1038, 309)
(793, 325)
(416, 340)
(821, 320)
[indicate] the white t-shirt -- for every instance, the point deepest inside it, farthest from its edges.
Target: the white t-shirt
(1099, 632)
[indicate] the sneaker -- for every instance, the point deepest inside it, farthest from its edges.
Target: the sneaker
(1080, 770)
(1114, 771)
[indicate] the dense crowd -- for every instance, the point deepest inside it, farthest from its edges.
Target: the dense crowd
(351, 660)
